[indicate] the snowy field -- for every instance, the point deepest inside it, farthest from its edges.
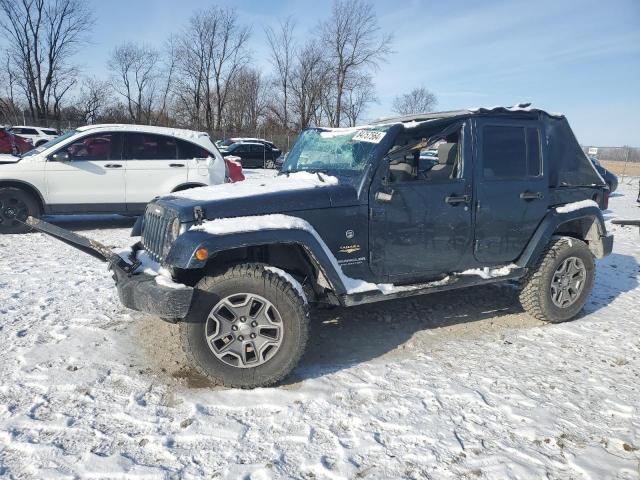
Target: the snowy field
(454, 385)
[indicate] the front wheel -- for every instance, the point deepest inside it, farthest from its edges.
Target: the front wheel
(247, 328)
(557, 288)
(15, 206)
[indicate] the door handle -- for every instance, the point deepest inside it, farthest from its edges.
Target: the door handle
(384, 197)
(176, 165)
(531, 195)
(113, 165)
(454, 200)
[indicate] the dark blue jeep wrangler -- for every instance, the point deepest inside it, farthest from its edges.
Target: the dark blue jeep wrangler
(356, 216)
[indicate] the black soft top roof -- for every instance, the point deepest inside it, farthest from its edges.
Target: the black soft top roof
(522, 110)
(567, 164)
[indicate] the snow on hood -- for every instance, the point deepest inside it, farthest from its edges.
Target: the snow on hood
(258, 186)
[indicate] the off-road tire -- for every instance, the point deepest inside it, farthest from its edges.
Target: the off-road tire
(11, 197)
(249, 278)
(535, 295)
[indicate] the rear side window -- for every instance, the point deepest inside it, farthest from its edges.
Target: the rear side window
(145, 146)
(510, 152)
(49, 132)
(187, 151)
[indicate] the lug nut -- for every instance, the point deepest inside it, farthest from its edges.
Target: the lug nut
(253, 335)
(234, 327)
(254, 324)
(241, 338)
(243, 319)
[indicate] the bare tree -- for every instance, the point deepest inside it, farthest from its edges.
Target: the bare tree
(211, 50)
(167, 77)
(355, 42)
(418, 100)
(95, 95)
(135, 71)
(9, 107)
(281, 44)
(308, 81)
(246, 100)
(229, 55)
(359, 93)
(42, 35)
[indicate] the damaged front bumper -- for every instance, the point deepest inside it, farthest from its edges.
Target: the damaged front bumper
(137, 291)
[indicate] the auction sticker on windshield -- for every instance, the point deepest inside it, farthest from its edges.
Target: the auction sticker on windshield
(371, 136)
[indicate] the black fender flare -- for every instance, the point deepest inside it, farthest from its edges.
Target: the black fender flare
(182, 253)
(599, 242)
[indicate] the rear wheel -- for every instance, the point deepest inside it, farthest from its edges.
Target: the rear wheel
(247, 327)
(557, 288)
(15, 206)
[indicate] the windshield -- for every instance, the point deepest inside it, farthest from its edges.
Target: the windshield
(346, 149)
(50, 143)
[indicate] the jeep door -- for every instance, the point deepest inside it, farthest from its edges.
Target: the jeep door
(91, 178)
(421, 222)
(152, 168)
(511, 188)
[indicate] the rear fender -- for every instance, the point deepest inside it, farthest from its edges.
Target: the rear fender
(182, 253)
(586, 223)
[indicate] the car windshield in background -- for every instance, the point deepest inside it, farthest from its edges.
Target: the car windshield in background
(50, 143)
(345, 149)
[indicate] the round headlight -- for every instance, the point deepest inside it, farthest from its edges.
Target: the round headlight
(175, 228)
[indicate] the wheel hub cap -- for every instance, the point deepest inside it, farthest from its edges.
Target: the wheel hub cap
(244, 330)
(568, 282)
(12, 210)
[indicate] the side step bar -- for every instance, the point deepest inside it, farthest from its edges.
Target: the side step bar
(455, 282)
(84, 244)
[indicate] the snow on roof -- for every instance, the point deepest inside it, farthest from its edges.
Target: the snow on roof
(191, 135)
(416, 120)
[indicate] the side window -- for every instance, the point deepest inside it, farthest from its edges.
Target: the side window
(187, 151)
(257, 150)
(101, 146)
(504, 152)
(534, 159)
(145, 146)
(25, 131)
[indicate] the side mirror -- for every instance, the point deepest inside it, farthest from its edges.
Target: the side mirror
(60, 157)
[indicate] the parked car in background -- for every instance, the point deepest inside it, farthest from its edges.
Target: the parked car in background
(12, 144)
(107, 169)
(37, 135)
(253, 154)
(281, 159)
(609, 178)
(226, 143)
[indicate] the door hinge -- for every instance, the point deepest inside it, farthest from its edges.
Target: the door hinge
(198, 214)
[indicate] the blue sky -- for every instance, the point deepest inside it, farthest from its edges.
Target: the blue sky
(579, 57)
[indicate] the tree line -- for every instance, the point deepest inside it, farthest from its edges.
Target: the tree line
(202, 77)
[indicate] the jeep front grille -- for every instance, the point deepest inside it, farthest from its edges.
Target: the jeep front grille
(155, 231)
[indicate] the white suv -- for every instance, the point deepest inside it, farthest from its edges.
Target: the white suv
(105, 169)
(37, 135)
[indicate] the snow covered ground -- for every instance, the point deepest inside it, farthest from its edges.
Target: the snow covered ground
(454, 385)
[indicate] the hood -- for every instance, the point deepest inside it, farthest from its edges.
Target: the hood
(6, 158)
(262, 196)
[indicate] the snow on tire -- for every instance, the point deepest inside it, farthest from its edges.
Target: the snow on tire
(556, 289)
(247, 327)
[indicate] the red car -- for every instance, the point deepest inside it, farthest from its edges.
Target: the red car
(13, 144)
